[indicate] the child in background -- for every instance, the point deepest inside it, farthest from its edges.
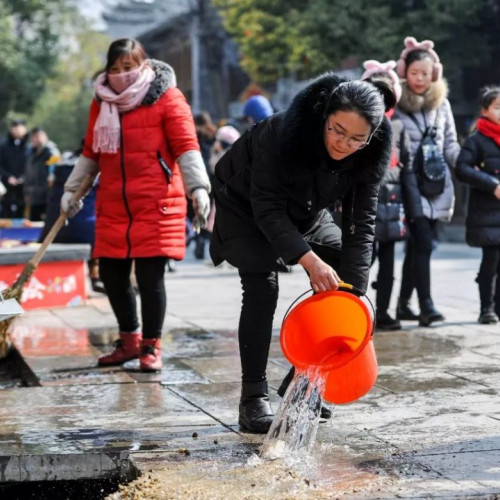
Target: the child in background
(390, 224)
(479, 166)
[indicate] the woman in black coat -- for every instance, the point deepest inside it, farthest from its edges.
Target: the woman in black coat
(272, 192)
(479, 166)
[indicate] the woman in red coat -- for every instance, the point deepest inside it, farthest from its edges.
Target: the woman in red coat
(141, 139)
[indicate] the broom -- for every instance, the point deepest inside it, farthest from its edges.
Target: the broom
(16, 290)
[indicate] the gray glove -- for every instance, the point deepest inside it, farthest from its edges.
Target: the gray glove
(70, 206)
(201, 205)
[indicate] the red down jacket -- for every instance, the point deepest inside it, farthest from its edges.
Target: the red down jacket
(140, 211)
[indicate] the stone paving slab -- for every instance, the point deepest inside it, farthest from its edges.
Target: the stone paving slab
(428, 429)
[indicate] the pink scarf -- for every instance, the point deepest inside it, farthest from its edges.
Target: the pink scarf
(107, 126)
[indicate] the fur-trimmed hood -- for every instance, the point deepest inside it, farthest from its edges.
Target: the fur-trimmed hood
(165, 78)
(301, 134)
(432, 99)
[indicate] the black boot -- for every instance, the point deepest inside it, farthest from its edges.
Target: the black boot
(386, 322)
(326, 413)
(199, 249)
(255, 411)
(428, 313)
(487, 316)
(404, 310)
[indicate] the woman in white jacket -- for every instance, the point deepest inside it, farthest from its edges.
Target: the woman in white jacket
(424, 104)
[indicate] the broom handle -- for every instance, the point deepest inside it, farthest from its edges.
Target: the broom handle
(59, 223)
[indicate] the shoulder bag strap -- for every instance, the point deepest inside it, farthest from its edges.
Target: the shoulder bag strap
(416, 122)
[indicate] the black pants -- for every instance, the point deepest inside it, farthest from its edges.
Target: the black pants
(417, 262)
(150, 273)
(488, 278)
(260, 297)
(384, 251)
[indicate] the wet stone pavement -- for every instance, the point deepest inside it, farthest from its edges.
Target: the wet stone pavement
(430, 428)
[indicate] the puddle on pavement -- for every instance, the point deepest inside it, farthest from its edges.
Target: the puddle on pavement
(295, 425)
(398, 348)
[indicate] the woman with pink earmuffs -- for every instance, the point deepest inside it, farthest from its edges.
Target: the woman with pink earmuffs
(426, 114)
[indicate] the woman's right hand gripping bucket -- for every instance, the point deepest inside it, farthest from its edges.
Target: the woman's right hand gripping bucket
(333, 331)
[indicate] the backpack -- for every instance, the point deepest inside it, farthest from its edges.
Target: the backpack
(429, 163)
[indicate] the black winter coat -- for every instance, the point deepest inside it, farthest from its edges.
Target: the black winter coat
(392, 211)
(13, 156)
(479, 166)
(278, 176)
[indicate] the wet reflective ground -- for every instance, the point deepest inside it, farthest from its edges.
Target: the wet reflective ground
(430, 428)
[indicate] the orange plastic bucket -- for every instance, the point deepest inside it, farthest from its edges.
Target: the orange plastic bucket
(333, 331)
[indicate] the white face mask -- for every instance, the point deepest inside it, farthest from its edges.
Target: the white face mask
(121, 81)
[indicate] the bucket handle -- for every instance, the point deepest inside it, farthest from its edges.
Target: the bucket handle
(342, 286)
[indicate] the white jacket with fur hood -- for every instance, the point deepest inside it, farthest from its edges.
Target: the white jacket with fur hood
(424, 109)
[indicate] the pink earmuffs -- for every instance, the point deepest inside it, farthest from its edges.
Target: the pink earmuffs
(411, 44)
(371, 67)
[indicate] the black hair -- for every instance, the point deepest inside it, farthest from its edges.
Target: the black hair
(488, 94)
(417, 55)
(125, 46)
(202, 118)
(36, 130)
(366, 98)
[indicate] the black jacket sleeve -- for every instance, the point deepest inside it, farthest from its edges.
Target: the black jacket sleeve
(358, 232)
(269, 199)
(468, 170)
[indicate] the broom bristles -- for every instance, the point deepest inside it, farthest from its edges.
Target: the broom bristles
(14, 292)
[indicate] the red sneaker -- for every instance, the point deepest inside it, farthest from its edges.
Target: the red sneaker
(127, 347)
(150, 357)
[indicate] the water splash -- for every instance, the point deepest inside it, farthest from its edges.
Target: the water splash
(294, 428)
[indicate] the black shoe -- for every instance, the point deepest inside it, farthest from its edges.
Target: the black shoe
(385, 322)
(171, 266)
(487, 317)
(255, 414)
(199, 248)
(326, 413)
(97, 285)
(429, 314)
(404, 311)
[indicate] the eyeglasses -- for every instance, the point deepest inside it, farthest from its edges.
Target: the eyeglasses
(352, 142)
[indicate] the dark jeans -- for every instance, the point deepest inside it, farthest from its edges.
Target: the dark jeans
(384, 251)
(260, 297)
(417, 262)
(150, 273)
(488, 278)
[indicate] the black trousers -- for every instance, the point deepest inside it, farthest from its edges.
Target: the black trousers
(260, 297)
(384, 251)
(417, 262)
(488, 278)
(150, 273)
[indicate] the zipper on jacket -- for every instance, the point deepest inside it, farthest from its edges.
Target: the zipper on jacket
(124, 191)
(166, 169)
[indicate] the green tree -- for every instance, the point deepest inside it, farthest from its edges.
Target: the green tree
(30, 45)
(279, 37)
(63, 107)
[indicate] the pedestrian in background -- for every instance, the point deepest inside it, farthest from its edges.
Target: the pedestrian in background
(257, 108)
(13, 156)
(478, 165)
(425, 110)
(272, 192)
(205, 131)
(39, 174)
(142, 140)
(390, 224)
